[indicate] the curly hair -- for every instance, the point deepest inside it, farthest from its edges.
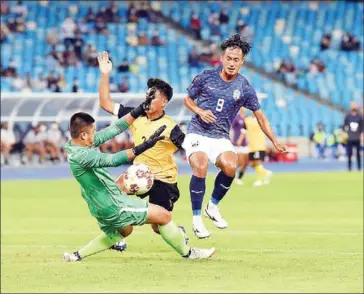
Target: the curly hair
(162, 86)
(234, 41)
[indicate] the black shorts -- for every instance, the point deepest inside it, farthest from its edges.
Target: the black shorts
(257, 155)
(163, 194)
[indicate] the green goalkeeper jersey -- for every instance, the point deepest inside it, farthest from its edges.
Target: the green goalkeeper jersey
(98, 188)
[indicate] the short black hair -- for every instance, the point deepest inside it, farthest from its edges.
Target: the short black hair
(162, 86)
(78, 122)
(235, 41)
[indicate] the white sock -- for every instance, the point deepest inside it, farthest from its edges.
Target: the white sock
(197, 219)
(211, 205)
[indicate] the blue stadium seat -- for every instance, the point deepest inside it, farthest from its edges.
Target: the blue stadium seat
(299, 16)
(170, 61)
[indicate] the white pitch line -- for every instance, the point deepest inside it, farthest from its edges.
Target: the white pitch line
(257, 250)
(294, 233)
(34, 246)
(53, 233)
(295, 251)
(225, 232)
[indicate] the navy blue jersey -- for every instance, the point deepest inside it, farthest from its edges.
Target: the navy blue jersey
(353, 125)
(224, 99)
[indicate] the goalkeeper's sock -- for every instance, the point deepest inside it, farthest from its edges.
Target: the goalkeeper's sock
(100, 243)
(175, 238)
(222, 185)
(197, 192)
(261, 172)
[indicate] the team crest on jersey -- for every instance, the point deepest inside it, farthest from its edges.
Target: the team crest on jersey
(236, 94)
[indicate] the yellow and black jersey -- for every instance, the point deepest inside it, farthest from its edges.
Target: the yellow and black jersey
(159, 158)
(256, 141)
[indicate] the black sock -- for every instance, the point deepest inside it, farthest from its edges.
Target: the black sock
(222, 185)
(241, 174)
(197, 192)
(349, 163)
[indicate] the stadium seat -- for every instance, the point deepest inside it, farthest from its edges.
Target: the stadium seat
(341, 16)
(170, 61)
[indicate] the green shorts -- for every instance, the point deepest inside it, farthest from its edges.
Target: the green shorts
(132, 212)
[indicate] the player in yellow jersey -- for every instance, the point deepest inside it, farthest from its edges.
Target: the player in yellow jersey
(257, 147)
(159, 159)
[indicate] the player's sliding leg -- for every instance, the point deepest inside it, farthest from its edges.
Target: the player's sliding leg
(173, 235)
(199, 164)
(155, 228)
(165, 195)
(100, 243)
(227, 162)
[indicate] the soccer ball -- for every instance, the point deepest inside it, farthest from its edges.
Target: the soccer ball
(138, 179)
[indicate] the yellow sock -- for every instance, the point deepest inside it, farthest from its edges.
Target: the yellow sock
(261, 172)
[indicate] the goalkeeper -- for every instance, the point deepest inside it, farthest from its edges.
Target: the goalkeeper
(115, 212)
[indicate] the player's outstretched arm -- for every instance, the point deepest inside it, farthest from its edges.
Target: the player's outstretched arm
(90, 158)
(267, 129)
(106, 103)
(194, 91)
(150, 142)
(105, 67)
(119, 126)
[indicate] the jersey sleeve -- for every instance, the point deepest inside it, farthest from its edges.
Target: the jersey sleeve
(90, 158)
(195, 89)
(177, 136)
(251, 101)
(111, 131)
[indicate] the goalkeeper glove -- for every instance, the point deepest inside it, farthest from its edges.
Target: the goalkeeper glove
(153, 139)
(140, 110)
(149, 97)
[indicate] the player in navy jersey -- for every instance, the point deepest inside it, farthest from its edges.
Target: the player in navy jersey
(216, 96)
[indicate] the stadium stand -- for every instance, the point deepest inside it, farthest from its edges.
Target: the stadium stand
(58, 43)
(290, 30)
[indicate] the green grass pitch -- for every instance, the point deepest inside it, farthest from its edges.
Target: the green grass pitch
(302, 233)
